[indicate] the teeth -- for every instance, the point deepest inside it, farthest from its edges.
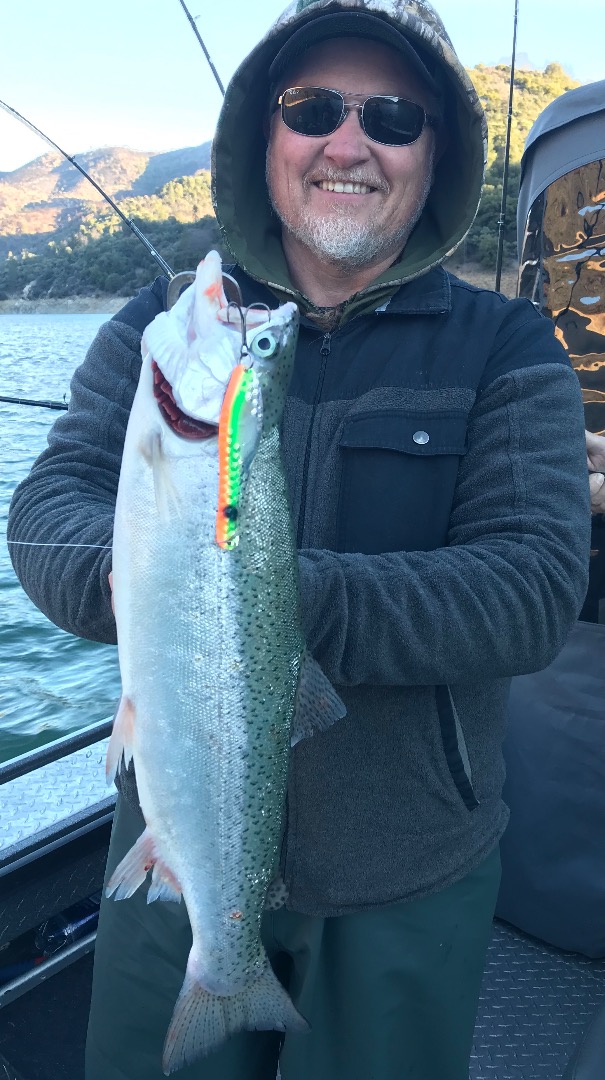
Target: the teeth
(346, 189)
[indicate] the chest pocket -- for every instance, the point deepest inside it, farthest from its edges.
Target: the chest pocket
(398, 477)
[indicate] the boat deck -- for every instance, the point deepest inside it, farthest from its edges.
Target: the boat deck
(536, 1004)
(536, 1001)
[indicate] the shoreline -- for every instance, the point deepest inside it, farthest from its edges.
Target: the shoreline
(68, 305)
(108, 305)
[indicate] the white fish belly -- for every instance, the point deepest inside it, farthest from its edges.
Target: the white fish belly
(211, 778)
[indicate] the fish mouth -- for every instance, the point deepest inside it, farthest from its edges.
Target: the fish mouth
(178, 421)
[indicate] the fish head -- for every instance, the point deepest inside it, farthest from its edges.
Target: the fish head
(271, 349)
(195, 347)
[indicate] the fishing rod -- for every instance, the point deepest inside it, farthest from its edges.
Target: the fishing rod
(206, 53)
(127, 221)
(46, 404)
(31, 401)
(502, 217)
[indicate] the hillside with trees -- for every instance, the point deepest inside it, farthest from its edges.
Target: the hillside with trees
(534, 90)
(58, 237)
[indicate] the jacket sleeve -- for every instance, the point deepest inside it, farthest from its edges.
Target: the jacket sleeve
(500, 599)
(69, 496)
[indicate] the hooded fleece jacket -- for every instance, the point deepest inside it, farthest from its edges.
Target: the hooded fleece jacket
(434, 447)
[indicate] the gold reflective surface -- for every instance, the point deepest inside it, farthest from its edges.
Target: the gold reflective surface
(562, 270)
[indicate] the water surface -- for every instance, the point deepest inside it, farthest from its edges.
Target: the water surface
(51, 683)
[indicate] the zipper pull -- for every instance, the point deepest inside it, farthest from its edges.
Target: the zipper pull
(325, 345)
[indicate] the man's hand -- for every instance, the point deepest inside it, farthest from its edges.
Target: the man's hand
(595, 451)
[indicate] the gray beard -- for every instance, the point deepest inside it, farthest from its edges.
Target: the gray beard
(339, 241)
(345, 243)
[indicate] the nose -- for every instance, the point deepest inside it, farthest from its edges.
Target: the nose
(348, 145)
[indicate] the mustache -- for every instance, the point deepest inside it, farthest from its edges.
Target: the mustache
(350, 176)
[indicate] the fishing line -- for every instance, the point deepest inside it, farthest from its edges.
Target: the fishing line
(31, 543)
(170, 274)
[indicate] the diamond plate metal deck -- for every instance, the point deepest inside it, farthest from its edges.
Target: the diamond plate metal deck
(36, 806)
(536, 1003)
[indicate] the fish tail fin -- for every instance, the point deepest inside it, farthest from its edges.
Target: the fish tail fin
(202, 1021)
(121, 740)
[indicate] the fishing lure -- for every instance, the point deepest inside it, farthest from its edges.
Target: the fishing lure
(239, 429)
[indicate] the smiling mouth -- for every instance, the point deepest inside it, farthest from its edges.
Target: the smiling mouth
(344, 188)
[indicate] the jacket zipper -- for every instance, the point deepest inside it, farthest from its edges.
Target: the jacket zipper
(324, 352)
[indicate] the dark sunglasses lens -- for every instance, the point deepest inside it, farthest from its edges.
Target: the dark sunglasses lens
(397, 122)
(311, 112)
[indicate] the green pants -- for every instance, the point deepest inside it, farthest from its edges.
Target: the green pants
(390, 993)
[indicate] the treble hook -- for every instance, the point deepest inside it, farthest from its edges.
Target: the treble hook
(246, 311)
(259, 307)
(242, 316)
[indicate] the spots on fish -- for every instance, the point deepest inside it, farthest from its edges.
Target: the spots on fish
(277, 894)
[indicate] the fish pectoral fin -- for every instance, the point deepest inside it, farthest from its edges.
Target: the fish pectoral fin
(164, 885)
(202, 1020)
(166, 497)
(317, 704)
(120, 742)
(133, 869)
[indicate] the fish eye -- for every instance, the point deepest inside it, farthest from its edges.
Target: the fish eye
(264, 345)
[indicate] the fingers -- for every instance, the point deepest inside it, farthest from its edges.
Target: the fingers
(595, 449)
(597, 492)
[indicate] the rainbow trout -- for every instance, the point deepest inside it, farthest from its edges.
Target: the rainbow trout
(216, 684)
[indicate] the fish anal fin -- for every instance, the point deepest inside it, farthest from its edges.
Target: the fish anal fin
(164, 885)
(131, 872)
(317, 704)
(202, 1020)
(121, 741)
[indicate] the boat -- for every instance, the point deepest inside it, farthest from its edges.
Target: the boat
(542, 1008)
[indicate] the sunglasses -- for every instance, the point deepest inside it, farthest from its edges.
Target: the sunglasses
(316, 111)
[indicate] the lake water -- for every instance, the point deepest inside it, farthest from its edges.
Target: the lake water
(51, 683)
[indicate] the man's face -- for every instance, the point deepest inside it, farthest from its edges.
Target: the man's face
(351, 229)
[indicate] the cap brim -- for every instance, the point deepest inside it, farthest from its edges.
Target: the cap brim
(349, 24)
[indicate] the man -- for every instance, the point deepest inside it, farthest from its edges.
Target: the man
(443, 528)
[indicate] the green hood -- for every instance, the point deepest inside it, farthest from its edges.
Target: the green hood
(239, 193)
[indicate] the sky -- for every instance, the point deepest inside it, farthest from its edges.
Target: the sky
(131, 72)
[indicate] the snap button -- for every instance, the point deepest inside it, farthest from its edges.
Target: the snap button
(421, 437)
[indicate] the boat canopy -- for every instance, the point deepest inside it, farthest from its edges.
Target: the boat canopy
(561, 236)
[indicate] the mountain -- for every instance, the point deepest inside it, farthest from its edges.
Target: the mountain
(66, 241)
(48, 198)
